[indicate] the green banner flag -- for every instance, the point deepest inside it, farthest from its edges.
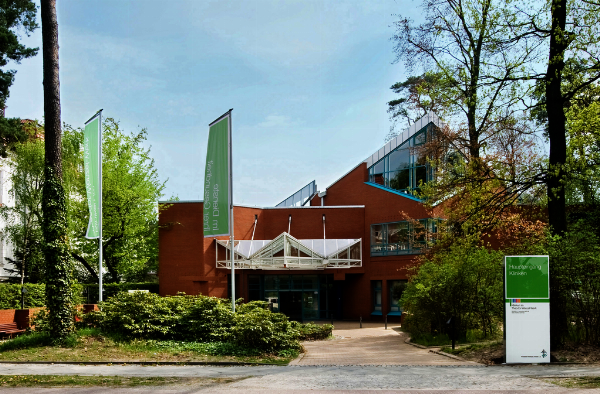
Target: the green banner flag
(91, 161)
(216, 178)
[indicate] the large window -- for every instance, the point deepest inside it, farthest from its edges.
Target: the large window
(406, 167)
(395, 288)
(389, 239)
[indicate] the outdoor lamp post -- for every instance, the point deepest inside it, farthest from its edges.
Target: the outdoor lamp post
(23, 292)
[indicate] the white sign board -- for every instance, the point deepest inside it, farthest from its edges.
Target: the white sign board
(527, 308)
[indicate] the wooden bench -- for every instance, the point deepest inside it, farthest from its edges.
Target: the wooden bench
(10, 329)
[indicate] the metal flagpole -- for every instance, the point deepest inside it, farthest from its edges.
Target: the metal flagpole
(100, 205)
(231, 237)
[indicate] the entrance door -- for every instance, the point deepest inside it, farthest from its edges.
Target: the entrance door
(290, 304)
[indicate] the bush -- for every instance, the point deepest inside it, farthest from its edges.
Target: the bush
(464, 281)
(28, 340)
(575, 286)
(312, 331)
(208, 319)
(140, 315)
(262, 329)
(200, 319)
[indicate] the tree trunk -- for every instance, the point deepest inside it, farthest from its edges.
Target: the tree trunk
(58, 264)
(556, 118)
(558, 155)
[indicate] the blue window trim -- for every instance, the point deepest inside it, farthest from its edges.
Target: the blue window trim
(397, 192)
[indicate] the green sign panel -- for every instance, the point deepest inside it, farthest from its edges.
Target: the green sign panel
(216, 179)
(91, 165)
(527, 277)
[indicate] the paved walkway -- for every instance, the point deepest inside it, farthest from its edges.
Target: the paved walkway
(370, 345)
(295, 379)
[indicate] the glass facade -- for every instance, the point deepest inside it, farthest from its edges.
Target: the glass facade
(396, 238)
(404, 168)
(300, 297)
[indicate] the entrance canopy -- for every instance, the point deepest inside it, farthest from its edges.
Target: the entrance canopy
(287, 252)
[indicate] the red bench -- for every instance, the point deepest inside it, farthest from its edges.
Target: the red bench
(10, 329)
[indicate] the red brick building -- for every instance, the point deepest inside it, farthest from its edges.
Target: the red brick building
(337, 252)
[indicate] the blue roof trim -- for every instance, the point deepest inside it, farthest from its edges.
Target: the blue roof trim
(405, 195)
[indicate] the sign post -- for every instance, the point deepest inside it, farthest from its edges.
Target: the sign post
(527, 309)
(218, 188)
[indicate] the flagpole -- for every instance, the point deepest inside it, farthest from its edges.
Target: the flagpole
(232, 238)
(100, 298)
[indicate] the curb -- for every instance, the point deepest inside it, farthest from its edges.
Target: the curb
(448, 355)
(148, 363)
(298, 359)
(407, 341)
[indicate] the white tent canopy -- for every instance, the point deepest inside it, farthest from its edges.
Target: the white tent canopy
(287, 252)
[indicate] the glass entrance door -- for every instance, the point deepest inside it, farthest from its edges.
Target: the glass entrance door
(291, 304)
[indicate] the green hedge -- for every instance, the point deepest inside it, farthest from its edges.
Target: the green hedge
(10, 294)
(111, 289)
(200, 319)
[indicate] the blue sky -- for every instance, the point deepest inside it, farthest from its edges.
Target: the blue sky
(308, 81)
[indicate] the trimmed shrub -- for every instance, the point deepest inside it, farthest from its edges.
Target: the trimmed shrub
(262, 329)
(197, 318)
(312, 331)
(208, 319)
(140, 315)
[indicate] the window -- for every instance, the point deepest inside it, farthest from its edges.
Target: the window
(396, 288)
(254, 288)
(376, 285)
(390, 239)
(405, 168)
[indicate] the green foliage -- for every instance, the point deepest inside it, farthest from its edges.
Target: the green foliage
(312, 331)
(59, 270)
(201, 319)
(24, 220)
(264, 330)
(17, 16)
(209, 348)
(208, 319)
(130, 191)
(10, 295)
(27, 340)
(418, 95)
(11, 132)
(90, 290)
(140, 315)
(464, 281)
(575, 267)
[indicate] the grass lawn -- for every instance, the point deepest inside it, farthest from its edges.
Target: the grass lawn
(583, 382)
(90, 345)
(104, 381)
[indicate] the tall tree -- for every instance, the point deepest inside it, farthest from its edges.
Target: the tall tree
(24, 219)
(59, 298)
(470, 44)
(15, 15)
(418, 95)
(130, 191)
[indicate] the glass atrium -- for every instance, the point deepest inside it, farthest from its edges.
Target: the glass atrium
(404, 168)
